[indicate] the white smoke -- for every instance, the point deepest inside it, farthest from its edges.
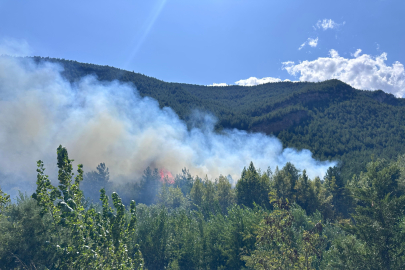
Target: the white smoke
(14, 47)
(109, 122)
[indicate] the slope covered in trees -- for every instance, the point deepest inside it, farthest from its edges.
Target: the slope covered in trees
(332, 119)
(270, 220)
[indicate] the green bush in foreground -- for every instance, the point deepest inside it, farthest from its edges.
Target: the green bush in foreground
(85, 239)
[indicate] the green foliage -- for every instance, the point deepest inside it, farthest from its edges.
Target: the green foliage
(348, 252)
(225, 194)
(378, 217)
(306, 196)
(312, 195)
(92, 240)
(153, 236)
(184, 181)
(275, 239)
(280, 220)
(351, 130)
(253, 188)
(24, 236)
(318, 242)
(172, 198)
(185, 239)
(285, 182)
(277, 245)
(197, 193)
(4, 200)
(336, 187)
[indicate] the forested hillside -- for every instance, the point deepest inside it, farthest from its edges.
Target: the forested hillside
(352, 218)
(332, 119)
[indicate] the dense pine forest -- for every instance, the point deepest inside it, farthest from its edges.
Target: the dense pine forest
(269, 220)
(352, 218)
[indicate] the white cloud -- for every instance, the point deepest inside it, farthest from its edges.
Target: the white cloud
(362, 72)
(14, 47)
(357, 53)
(255, 81)
(218, 84)
(326, 24)
(313, 42)
(252, 81)
(333, 53)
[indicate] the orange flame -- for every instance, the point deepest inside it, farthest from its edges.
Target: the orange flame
(166, 176)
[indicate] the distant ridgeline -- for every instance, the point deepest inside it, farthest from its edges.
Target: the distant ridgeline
(330, 118)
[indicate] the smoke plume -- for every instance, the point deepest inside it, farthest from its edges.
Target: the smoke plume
(109, 122)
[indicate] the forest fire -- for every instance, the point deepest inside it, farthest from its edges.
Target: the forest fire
(166, 176)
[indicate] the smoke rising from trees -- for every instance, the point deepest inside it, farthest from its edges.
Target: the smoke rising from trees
(109, 122)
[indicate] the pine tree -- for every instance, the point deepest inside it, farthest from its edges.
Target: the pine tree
(253, 188)
(306, 195)
(197, 193)
(379, 215)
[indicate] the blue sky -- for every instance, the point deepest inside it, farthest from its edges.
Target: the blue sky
(218, 41)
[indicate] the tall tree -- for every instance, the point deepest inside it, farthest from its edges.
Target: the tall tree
(184, 181)
(306, 197)
(253, 188)
(276, 243)
(378, 217)
(94, 181)
(225, 193)
(197, 193)
(210, 201)
(94, 240)
(285, 182)
(335, 185)
(149, 186)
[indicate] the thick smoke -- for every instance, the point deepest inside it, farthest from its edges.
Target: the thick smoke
(109, 122)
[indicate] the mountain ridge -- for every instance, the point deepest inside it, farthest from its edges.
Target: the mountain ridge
(330, 118)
